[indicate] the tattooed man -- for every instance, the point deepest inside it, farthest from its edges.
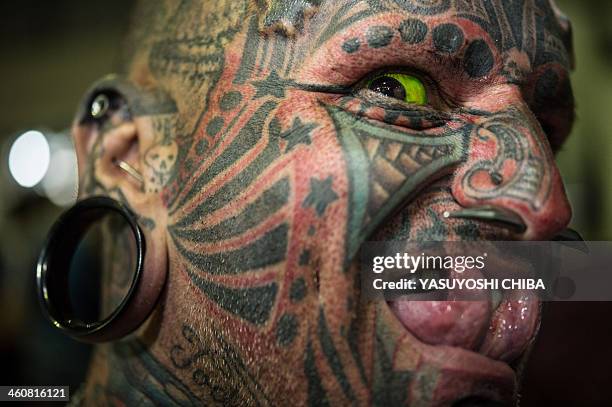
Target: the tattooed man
(274, 138)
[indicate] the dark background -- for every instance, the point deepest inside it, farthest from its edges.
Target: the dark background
(52, 51)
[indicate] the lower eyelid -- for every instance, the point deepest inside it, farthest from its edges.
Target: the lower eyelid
(375, 99)
(411, 117)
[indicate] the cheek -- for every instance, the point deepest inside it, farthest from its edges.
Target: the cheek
(310, 142)
(272, 217)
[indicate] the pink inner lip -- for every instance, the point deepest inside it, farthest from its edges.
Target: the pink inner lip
(503, 333)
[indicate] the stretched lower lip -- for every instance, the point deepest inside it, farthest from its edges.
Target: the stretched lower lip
(502, 333)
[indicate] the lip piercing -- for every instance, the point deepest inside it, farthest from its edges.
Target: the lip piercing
(509, 218)
(99, 106)
(491, 214)
(131, 171)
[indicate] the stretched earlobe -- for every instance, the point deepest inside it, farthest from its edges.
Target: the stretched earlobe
(114, 134)
(55, 274)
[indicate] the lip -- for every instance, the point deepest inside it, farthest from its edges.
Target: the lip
(472, 344)
(460, 373)
(513, 327)
(500, 331)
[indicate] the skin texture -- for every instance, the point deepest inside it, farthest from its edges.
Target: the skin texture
(267, 164)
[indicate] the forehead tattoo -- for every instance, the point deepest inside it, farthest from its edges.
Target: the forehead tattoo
(537, 27)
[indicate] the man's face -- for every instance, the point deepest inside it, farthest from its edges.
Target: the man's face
(305, 130)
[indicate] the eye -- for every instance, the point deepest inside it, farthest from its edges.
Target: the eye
(404, 87)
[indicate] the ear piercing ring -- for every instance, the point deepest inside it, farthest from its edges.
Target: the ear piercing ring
(131, 171)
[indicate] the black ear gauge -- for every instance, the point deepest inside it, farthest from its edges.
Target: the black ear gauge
(53, 275)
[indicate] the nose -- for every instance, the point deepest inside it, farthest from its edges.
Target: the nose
(510, 166)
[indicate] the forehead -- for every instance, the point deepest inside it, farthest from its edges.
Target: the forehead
(194, 35)
(534, 27)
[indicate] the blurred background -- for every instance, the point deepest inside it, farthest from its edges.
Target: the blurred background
(53, 51)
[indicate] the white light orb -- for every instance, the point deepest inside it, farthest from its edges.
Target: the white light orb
(29, 158)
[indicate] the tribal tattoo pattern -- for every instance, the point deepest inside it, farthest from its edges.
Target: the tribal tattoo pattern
(276, 163)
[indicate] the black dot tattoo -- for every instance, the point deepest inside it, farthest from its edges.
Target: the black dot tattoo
(478, 60)
(413, 31)
(215, 126)
(351, 46)
(230, 100)
(379, 36)
(447, 38)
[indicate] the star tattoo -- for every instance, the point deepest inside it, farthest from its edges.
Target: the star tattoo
(321, 195)
(299, 133)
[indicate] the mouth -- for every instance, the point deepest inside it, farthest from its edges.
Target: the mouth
(499, 328)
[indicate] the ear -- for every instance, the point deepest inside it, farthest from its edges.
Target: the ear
(126, 150)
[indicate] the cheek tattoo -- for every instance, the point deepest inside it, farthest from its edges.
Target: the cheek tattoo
(293, 132)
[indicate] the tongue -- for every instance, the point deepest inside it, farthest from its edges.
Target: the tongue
(453, 323)
(512, 327)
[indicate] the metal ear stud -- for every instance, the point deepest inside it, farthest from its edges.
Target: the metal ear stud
(100, 106)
